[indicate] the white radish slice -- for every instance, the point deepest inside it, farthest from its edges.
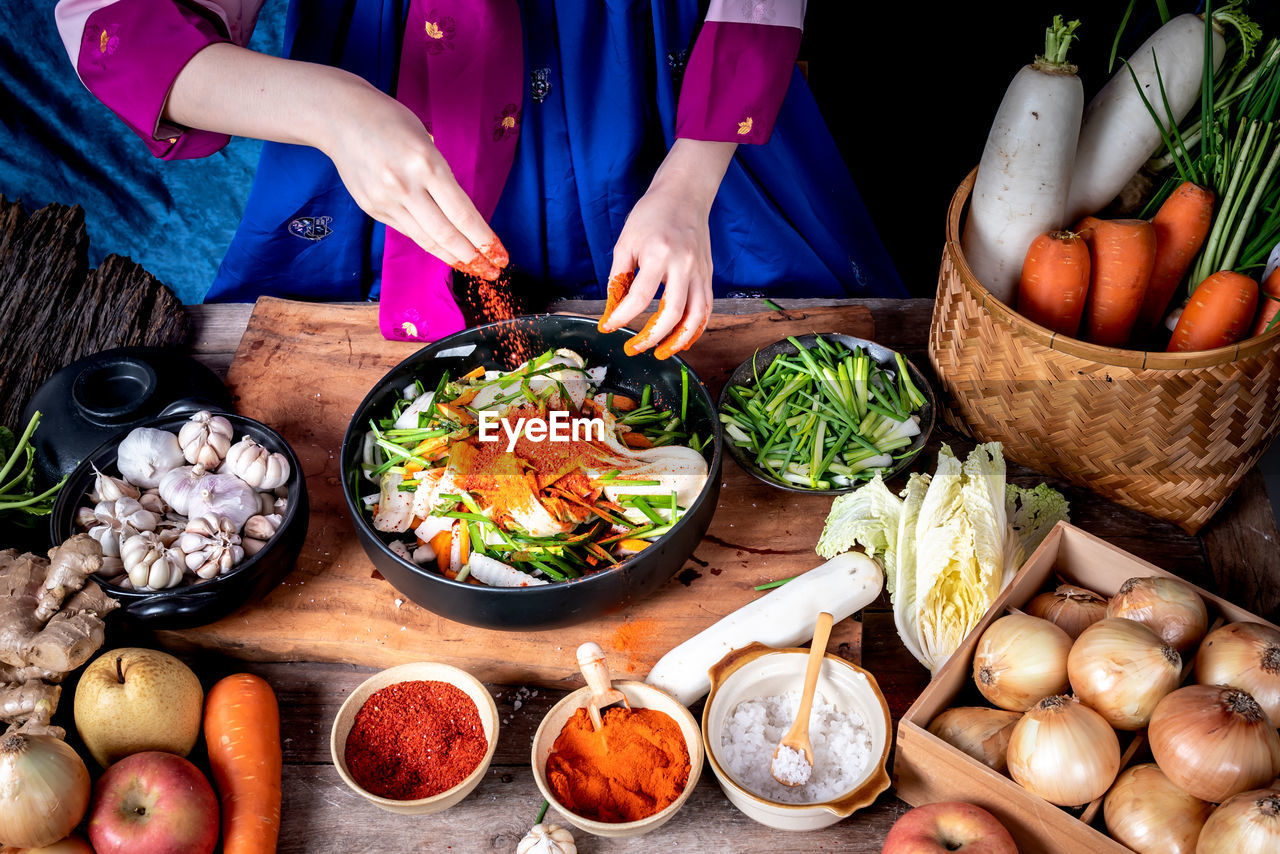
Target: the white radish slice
(1025, 173)
(495, 573)
(408, 419)
(1118, 134)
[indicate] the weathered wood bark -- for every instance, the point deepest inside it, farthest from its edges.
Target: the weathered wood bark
(54, 309)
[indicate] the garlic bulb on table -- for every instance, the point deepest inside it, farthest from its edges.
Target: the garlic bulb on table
(179, 484)
(205, 439)
(226, 496)
(150, 564)
(211, 546)
(547, 839)
(146, 454)
(257, 466)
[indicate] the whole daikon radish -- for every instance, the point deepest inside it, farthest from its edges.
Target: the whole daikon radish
(1025, 172)
(1118, 133)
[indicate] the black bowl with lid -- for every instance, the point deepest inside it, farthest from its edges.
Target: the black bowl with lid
(559, 603)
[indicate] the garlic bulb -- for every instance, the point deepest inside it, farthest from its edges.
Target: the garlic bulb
(205, 439)
(257, 466)
(226, 496)
(178, 485)
(126, 511)
(211, 546)
(108, 488)
(146, 454)
(547, 839)
(150, 564)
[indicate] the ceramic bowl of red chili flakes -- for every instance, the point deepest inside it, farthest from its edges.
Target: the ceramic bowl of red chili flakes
(415, 739)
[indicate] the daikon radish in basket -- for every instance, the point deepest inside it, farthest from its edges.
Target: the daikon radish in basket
(1118, 133)
(1024, 176)
(784, 617)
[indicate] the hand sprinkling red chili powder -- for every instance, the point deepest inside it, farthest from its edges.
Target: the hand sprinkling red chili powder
(413, 740)
(635, 766)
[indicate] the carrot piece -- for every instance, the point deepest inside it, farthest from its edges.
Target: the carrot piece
(634, 545)
(1124, 251)
(635, 440)
(1268, 303)
(464, 542)
(1181, 225)
(441, 544)
(1217, 314)
(474, 374)
(1055, 281)
(242, 733)
(1085, 228)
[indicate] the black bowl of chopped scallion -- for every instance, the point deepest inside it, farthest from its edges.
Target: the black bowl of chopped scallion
(824, 413)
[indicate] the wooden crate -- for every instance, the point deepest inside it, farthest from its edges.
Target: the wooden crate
(927, 769)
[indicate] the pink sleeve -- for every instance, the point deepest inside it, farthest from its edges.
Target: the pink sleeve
(128, 52)
(739, 70)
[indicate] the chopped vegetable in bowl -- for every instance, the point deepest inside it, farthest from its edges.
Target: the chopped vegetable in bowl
(530, 476)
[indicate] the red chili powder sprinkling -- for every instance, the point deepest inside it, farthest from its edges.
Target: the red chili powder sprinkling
(415, 739)
(513, 342)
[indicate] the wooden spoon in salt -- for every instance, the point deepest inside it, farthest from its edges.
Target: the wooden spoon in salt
(793, 758)
(591, 663)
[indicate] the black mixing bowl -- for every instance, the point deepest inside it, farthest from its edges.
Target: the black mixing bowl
(559, 603)
(197, 604)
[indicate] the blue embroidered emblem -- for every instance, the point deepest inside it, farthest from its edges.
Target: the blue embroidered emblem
(311, 227)
(540, 83)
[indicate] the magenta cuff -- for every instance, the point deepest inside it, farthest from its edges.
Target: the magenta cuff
(129, 56)
(735, 81)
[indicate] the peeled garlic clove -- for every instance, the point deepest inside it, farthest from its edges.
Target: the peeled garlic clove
(257, 466)
(205, 439)
(108, 488)
(146, 454)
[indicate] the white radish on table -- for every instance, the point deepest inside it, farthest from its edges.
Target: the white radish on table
(1118, 134)
(1024, 176)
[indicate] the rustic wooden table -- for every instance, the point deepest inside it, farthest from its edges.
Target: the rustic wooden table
(1235, 555)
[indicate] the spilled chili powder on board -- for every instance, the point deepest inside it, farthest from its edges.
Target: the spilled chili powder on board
(635, 766)
(415, 739)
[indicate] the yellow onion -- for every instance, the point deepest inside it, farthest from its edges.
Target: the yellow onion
(1214, 742)
(1020, 660)
(978, 731)
(1249, 823)
(1120, 669)
(1070, 608)
(70, 845)
(1169, 606)
(1244, 656)
(44, 790)
(1064, 751)
(1146, 812)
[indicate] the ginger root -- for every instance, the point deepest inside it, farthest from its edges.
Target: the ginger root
(51, 622)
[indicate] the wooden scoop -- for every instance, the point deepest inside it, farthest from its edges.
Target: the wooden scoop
(797, 738)
(603, 694)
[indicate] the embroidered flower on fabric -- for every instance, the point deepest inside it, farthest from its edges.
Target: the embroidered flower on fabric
(506, 123)
(540, 83)
(408, 330)
(744, 128)
(109, 39)
(757, 11)
(441, 31)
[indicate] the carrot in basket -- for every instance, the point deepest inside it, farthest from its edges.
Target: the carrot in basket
(1268, 303)
(242, 733)
(1217, 314)
(1124, 251)
(1181, 225)
(1085, 228)
(1054, 281)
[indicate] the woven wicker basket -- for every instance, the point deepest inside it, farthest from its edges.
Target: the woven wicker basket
(1169, 434)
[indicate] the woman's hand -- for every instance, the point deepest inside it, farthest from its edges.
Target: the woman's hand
(666, 236)
(384, 155)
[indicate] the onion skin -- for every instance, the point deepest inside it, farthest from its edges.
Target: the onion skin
(44, 790)
(1148, 813)
(980, 732)
(1249, 823)
(1214, 742)
(1064, 751)
(1121, 670)
(1168, 606)
(1244, 656)
(1070, 608)
(1020, 660)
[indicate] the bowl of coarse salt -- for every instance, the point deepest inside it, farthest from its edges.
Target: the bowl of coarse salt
(755, 692)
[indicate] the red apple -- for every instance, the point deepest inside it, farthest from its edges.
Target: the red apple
(950, 826)
(153, 803)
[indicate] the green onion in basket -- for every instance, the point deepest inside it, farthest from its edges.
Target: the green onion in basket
(823, 417)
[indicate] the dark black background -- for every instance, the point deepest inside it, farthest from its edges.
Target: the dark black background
(909, 91)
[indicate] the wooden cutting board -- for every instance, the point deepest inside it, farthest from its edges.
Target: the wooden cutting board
(303, 368)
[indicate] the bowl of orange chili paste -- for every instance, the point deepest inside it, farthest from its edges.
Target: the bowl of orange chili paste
(454, 509)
